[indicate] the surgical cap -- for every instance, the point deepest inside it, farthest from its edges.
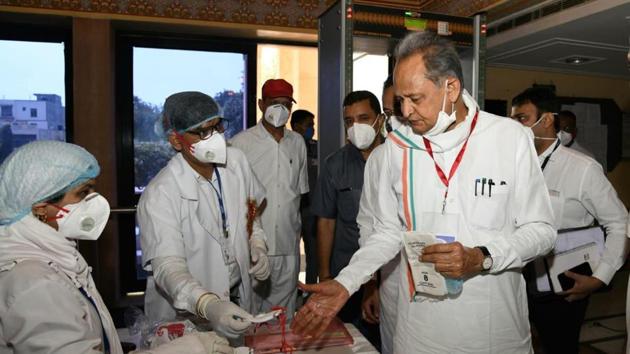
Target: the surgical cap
(39, 171)
(187, 110)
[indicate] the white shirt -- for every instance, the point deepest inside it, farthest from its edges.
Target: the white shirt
(580, 193)
(515, 224)
(178, 220)
(282, 169)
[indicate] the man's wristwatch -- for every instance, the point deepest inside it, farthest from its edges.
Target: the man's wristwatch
(487, 259)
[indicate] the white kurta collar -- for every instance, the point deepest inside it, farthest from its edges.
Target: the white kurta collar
(450, 139)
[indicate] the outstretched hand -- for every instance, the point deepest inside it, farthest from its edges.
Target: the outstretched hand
(326, 300)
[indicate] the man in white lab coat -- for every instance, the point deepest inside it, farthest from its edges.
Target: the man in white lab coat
(457, 169)
(194, 218)
(580, 195)
(278, 158)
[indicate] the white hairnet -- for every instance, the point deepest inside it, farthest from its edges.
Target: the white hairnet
(39, 171)
(187, 110)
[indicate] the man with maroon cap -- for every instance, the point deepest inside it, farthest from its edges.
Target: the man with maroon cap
(278, 158)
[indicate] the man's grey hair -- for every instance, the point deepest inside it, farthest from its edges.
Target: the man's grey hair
(439, 54)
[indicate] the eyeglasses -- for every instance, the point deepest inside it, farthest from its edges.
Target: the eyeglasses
(206, 132)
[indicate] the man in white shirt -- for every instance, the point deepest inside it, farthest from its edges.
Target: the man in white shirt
(580, 195)
(278, 158)
(199, 240)
(443, 171)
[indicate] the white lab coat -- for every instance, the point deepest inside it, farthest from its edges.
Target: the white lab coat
(515, 224)
(580, 193)
(42, 309)
(176, 220)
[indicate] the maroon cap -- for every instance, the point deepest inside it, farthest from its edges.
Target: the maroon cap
(277, 88)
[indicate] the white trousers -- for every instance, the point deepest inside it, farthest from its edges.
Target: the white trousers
(281, 287)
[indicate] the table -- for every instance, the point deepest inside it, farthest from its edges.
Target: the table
(361, 344)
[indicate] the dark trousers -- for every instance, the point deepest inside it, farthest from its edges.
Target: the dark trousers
(309, 236)
(557, 322)
(351, 313)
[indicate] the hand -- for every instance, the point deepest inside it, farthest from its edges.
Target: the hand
(584, 286)
(258, 251)
(326, 300)
(371, 306)
(323, 278)
(453, 260)
(227, 319)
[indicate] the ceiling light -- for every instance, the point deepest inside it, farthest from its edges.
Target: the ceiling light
(577, 60)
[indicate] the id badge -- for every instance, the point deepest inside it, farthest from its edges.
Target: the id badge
(446, 225)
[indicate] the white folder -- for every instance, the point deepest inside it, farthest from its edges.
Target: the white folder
(572, 247)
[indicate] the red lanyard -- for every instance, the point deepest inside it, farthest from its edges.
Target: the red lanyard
(456, 163)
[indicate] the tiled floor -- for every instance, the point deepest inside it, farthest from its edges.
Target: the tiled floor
(604, 330)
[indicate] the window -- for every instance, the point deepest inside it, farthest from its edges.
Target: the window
(34, 67)
(7, 110)
(217, 74)
(149, 70)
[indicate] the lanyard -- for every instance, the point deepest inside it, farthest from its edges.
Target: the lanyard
(219, 194)
(105, 339)
(544, 164)
(456, 163)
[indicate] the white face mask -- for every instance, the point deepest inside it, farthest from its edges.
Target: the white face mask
(84, 220)
(565, 138)
(362, 135)
(210, 150)
(277, 115)
(444, 120)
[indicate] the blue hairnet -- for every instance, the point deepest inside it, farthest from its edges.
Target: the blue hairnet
(39, 171)
(187, 110)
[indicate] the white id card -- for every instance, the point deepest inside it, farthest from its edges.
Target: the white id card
(426, 280)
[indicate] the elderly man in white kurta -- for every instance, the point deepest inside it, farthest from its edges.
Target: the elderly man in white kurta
(424, 178)
(278, 158)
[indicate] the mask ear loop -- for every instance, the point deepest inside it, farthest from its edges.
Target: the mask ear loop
(445, 92)
(186, 144)
(444, 99)
(62, 209)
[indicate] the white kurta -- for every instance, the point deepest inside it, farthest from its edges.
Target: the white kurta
(389, 273)
(282, 169)
(177, 218)
(580, 193)
(515, 224)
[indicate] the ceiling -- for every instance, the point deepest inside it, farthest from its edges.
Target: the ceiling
(597, 30)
